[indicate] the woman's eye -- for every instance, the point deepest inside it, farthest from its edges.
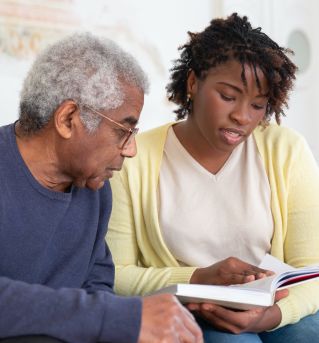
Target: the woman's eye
(226, 97)
(258, 107)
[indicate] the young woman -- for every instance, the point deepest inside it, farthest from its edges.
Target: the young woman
(222, 182)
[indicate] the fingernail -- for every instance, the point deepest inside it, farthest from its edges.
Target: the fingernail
(207, 307)
(192, 307)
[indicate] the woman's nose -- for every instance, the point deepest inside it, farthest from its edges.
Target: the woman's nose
(241, 116)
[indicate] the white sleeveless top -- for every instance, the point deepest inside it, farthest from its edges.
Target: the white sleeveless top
(204, 217)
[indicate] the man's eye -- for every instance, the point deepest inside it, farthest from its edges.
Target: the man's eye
(121, 133)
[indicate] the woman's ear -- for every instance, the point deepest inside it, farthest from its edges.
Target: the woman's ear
(192, 83)
(66, 117)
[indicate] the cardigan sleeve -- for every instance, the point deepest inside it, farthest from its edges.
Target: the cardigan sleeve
(301, 243)
(133, 255)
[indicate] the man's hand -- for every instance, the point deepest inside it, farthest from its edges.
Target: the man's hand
(164, 319)
(229, 271)
(236, 322)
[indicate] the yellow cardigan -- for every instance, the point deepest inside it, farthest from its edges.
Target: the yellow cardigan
(143, 261)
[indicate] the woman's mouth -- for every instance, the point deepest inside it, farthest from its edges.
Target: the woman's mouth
(232, 136)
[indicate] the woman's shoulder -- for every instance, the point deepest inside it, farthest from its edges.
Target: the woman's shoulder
(154, 134)
(281, 145)
(153, 140)
(276, 134)
(150, 146)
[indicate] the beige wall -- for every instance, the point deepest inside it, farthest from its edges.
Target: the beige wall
(152, 31)
(280, 19)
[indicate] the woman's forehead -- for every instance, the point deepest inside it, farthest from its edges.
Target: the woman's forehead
(241, 75)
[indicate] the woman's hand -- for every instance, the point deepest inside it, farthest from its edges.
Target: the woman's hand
(229, 271)
(236, 322)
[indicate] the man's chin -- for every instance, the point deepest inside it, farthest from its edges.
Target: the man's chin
(94, 184)
(109, 173)
(79, 183)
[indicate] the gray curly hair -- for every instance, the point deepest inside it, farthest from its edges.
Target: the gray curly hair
(81, 67)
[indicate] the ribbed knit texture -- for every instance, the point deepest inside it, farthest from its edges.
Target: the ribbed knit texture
(56, 273)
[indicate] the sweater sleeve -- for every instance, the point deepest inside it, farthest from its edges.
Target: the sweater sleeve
(71, 315)
(88, 315)
(138, 270)
(302, 236)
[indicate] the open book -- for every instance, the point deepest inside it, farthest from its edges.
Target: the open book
(259, 293)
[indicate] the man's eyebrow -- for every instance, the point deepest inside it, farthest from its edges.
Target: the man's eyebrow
(239, 90)
(129, 120)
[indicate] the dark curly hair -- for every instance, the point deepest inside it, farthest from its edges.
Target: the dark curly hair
(233, 38)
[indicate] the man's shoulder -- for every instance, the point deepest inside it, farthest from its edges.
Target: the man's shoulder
(8, 158)
(5, 132)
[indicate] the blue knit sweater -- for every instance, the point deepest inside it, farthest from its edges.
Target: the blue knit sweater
(56, 272)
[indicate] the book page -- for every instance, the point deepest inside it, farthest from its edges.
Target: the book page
(269, 283)
(272, 263)
(265, 284)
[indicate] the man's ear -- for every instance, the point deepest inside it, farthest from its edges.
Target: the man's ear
(66, 117)
(192, 83)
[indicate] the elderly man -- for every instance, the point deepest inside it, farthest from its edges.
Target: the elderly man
(79, 106)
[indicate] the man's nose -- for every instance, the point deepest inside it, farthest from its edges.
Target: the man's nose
(130, 150)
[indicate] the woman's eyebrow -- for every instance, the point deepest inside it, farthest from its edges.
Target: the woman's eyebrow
(236, 88)
(239, 90)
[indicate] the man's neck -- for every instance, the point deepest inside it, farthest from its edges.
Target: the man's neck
(42, 161)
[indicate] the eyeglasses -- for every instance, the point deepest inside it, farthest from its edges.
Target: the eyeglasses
(129, 132)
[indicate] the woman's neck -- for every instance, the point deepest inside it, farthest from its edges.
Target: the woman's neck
(198, 147)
